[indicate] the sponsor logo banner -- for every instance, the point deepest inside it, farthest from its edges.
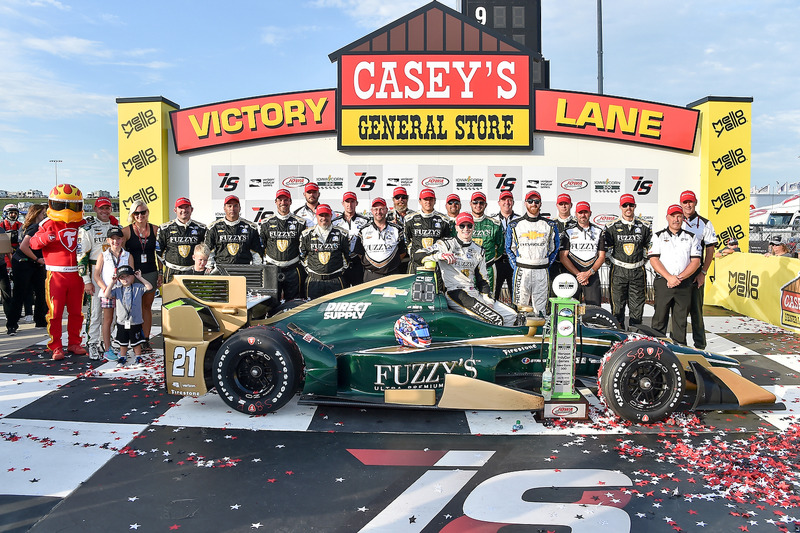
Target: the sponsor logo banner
(616, 118)
(261, 117)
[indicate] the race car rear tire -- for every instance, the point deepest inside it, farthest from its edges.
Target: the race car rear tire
(642, 381)
(257, 370)
(597, 317)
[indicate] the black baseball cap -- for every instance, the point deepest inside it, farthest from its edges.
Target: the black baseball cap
(125, 270)
(115, 231)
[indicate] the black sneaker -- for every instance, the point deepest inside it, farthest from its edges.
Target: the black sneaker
(11, 332)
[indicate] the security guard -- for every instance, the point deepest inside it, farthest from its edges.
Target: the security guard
(675, 256)
(583, 251)
(233, 240)
(323, 252)
(627, 239)
(280, 234)
(424, 227)
(176, 240)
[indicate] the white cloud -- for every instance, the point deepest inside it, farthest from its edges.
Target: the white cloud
(67, 46)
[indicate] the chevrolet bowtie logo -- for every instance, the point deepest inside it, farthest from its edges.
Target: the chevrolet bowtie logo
(390, 292)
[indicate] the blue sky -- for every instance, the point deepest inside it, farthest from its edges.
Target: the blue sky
(63, 64)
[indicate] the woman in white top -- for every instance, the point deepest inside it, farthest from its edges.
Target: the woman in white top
(104, 271)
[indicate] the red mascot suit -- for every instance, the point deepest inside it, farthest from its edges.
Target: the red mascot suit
(57, 238)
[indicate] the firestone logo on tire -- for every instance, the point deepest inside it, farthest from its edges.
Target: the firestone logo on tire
(435, 181)
(295, 181)
(574, 185)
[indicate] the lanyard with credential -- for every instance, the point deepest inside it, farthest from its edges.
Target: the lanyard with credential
(127, 294)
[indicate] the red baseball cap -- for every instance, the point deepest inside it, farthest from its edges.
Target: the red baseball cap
(478, 195)
(564, 198)
(349, 195)
(427, 193)
(453, 196)
(324, 209)
(283, 192)
(627, 199)
(506, 194)
(103, 201)
(378, 201)
(399, 191)
(688, 196)
(674, 209)
(464, 217)
(231, 198)
(533, 193)
(311, 186)
(582, 206)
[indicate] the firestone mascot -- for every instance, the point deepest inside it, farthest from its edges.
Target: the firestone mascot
(57, 238)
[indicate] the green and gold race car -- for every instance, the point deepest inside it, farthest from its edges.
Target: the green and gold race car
(230, 332)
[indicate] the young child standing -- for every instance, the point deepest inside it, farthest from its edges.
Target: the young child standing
(128, 298)
(104, 271)
(200, 256)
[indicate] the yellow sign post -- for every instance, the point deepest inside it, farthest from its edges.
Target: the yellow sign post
(725, 153)
(143, 154)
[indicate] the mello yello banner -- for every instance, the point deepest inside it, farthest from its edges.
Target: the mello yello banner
(766, 288)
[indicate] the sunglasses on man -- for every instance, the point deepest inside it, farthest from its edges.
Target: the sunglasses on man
(465, 226)
(534, 201)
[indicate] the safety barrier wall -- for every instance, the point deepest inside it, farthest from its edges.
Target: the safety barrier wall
(766, 288)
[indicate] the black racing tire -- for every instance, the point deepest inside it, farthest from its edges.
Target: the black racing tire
(642, 381)
(257, 370)
(597, 317)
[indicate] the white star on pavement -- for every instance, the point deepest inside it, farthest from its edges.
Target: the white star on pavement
(134, 526)
(235, 506)
(256, 525)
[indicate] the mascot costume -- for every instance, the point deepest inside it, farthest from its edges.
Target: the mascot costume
(57, 238)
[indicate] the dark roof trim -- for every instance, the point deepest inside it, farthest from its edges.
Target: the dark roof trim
(721, 99)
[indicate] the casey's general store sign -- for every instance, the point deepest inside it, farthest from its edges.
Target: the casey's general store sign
(434, 79)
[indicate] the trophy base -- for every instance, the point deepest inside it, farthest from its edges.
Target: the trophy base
(577, 409)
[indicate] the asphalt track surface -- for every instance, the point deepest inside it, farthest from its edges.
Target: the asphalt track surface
(88, 446)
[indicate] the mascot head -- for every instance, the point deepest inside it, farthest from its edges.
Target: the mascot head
(65, 203)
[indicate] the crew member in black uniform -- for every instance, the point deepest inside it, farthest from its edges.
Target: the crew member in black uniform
(280, 235)
(351, 223)
(176, 240)
(308, 210)
(503, 269)
(398, 216)
(323, 252)
(627, 240)
(424, 227)
(675, 256)
(380, 244)
(583, 252)
(233, 240)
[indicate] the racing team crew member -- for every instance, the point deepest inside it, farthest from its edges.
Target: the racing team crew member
(487, 234)
(452, 209)
(424, 227)
(398, 216)
(503, 270)
(564, 218)
(176, 240)
(351, 223)
(57, 238)
(532, 246)
(308, 210)
(675, 256)
(323, 251)
(380, 244)
(462, 265)
(704, 230)
(91, 245)
(233, 240)
(583, 252)
(280, 234)
(627, 239)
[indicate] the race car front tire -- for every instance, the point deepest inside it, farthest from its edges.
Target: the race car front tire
(642, 381)
(257, 370)
(597, 317)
